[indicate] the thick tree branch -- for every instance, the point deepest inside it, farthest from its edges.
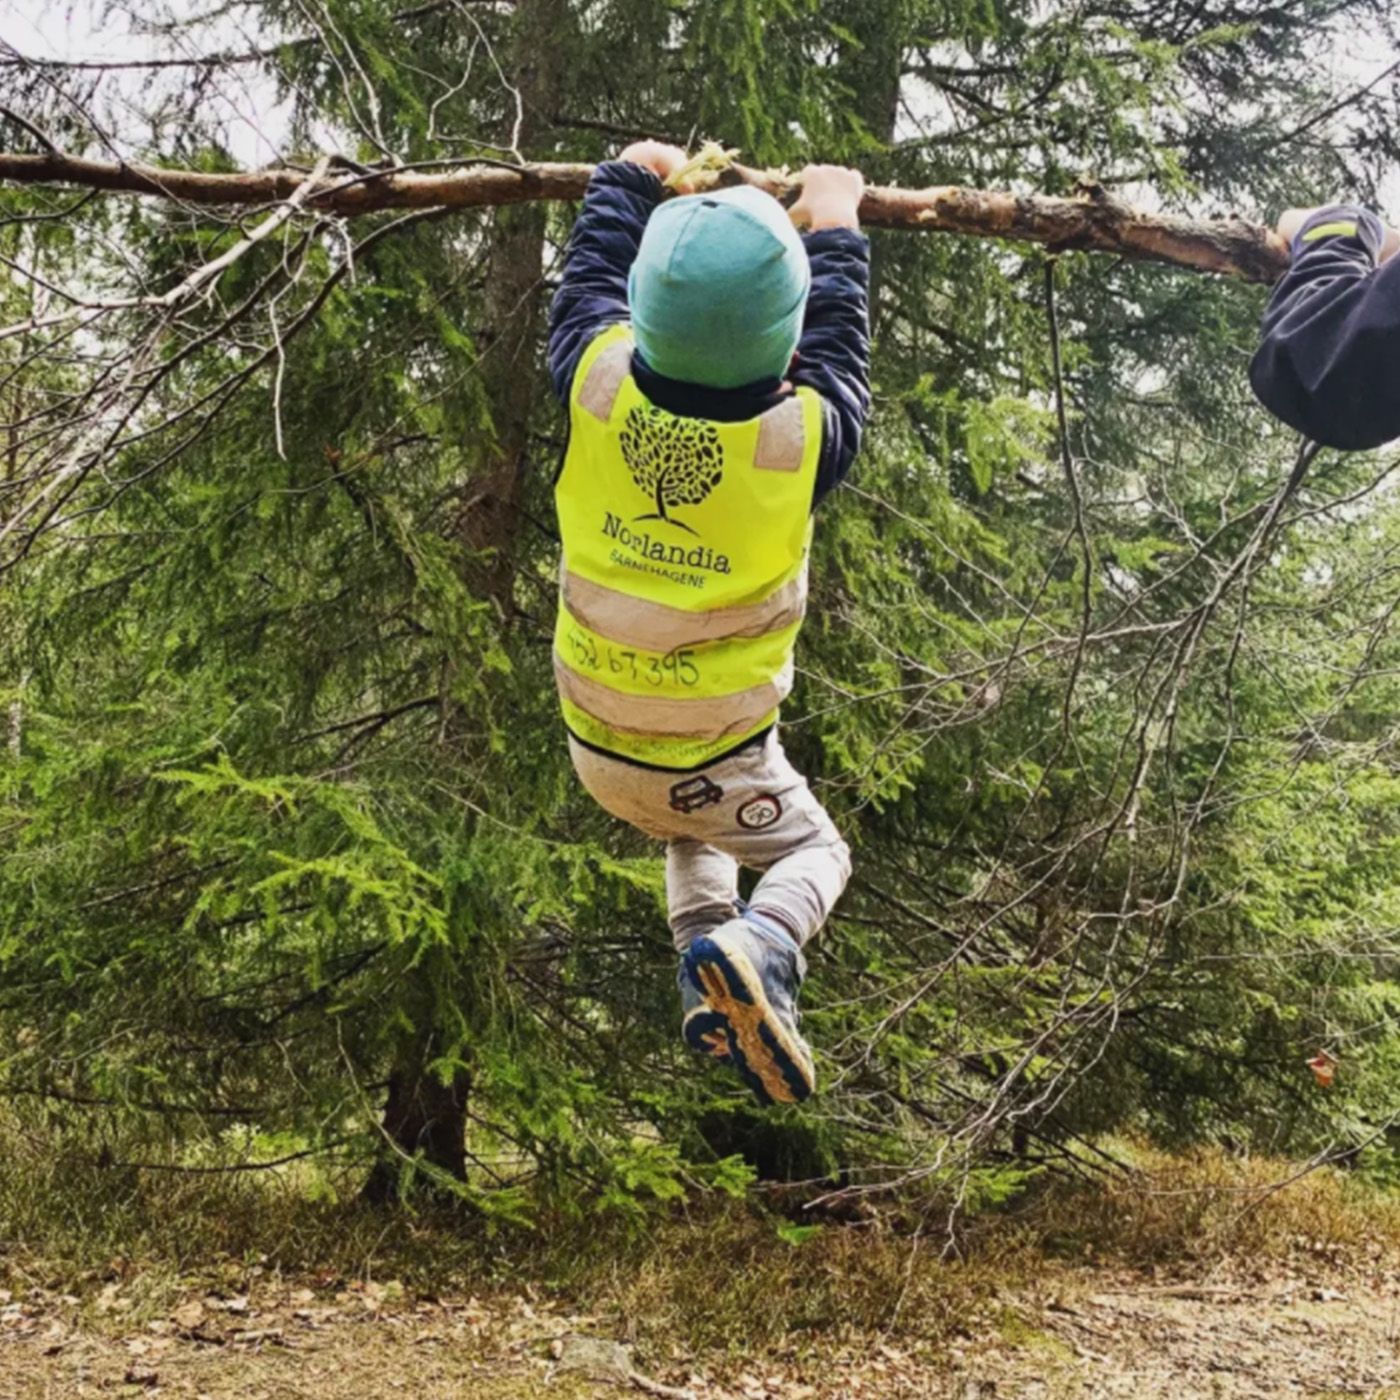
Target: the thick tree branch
(1092, 220)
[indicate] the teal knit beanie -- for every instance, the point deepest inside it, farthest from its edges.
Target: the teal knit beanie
(718, 288)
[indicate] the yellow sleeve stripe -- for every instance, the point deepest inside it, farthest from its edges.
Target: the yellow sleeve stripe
(1345, 228)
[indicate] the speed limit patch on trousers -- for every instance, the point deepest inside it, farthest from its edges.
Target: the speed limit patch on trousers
(759, 812)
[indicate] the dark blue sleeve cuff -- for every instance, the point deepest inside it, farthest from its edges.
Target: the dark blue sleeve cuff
(1348, 221)
(626, 175)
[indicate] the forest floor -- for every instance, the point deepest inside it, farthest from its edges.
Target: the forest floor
(1200, 1277)
(1074, 1332)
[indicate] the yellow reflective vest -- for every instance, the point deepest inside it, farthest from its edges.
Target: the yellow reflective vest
(684, 575)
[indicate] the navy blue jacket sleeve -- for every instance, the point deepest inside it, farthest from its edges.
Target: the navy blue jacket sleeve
(1328, 363)
(833, 355)
(592, 293)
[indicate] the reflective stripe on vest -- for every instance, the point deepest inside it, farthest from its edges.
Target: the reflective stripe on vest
(702, 719)
(634, 622)
(683, 583)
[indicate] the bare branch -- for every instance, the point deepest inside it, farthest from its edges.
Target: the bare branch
(26, 125)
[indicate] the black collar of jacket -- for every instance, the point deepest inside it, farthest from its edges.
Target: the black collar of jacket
(700, 401)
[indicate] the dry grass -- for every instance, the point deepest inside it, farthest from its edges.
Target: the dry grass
(73, 1231)
(713, 1290)
(1185, 1212)
(353, 1364)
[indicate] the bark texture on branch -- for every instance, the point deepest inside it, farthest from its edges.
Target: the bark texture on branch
(1092, 220)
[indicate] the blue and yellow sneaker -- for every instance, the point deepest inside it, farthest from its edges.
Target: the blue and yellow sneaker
(746, 975)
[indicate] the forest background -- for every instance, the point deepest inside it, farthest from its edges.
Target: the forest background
(292, 864)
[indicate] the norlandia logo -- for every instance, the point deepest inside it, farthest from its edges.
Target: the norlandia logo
(641, 543)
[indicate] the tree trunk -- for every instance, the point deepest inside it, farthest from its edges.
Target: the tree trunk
(508, 370)
(423, 1118)
(876, 67)
(422, 1115)
(514, 282)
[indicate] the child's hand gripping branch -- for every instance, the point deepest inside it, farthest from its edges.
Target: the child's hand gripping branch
(715, 365)
(1328, 362)
(830, 198)
(661, 159)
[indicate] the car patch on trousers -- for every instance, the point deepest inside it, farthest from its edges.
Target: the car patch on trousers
(694, 794)
(759, 813)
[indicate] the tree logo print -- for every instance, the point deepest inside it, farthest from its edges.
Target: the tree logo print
(676, 461)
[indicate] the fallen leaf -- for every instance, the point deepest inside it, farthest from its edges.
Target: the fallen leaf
(188, 1316)
(1324, 1068)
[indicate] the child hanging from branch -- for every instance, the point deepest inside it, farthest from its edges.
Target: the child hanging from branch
(716, 370)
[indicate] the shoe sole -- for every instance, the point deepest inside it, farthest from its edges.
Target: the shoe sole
(707, 1033)
(771, 1063)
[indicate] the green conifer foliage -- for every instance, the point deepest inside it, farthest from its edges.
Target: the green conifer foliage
(291, 856)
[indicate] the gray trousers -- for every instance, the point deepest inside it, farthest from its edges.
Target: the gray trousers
(752, 808)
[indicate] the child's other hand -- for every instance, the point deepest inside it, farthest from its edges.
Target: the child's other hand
(1292, 220)
(830, 198)
(662, 160)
